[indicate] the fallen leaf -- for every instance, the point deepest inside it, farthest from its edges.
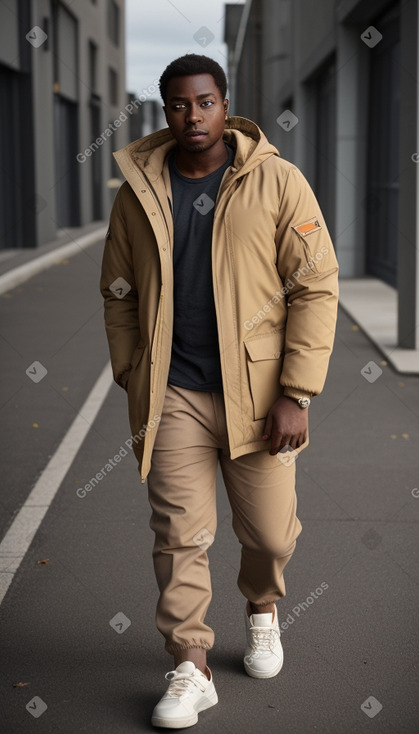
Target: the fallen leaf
(400, 384)
(35, 425)
(355, 327)
(393, 435)
(20, 685)
(44, 560)
(65, 389)
(405, 435)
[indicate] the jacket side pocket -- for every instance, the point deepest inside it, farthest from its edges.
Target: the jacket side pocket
(264, 365)
(135, 361)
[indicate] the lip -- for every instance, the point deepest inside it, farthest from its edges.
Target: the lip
(195, 134)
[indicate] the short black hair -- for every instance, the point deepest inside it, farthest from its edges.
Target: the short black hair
(193, 64)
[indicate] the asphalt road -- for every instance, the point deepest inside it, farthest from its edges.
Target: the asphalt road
(78, 629)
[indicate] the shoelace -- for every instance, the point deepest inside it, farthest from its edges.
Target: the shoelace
(179, 683)
(263, 638)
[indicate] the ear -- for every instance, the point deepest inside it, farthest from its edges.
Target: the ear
(226, 103)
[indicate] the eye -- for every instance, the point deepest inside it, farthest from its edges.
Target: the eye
(208, 101)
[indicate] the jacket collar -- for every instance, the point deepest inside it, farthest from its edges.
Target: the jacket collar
(149, 153)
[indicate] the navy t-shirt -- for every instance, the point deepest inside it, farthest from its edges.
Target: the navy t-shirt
(195, 362)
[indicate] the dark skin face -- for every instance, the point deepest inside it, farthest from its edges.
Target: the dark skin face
(194, 103)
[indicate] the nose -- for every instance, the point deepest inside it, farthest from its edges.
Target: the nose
(194, 113)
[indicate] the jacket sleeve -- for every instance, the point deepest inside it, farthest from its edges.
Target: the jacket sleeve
(308, 268)
(118, 288)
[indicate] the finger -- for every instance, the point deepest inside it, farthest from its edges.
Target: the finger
(268, 427)
(293, 442)
(277, 442)
(289, 442)
(302, 439)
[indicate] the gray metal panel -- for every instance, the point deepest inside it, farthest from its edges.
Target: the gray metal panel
(67, 53)
(408, 225)
(9, 34)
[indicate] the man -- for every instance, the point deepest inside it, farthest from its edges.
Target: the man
(220, 288)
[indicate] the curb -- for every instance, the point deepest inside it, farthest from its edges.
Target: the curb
(19, 275)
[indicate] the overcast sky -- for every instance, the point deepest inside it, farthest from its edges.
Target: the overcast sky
(159, 31)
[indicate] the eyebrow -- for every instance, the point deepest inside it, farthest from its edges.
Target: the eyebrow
(199, 96)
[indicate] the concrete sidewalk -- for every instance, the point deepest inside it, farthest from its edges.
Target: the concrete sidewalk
(350, 651)
(372, 304)
(13, 258)
(18, 266)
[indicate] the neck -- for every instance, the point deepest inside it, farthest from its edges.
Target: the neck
(199, 164)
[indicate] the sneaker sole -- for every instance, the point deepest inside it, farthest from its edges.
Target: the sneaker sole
(209, 701)
(263, 674)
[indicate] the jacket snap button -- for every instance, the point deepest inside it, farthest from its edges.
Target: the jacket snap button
(143, 191)
(153, 214)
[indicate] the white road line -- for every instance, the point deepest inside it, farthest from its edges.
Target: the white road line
(18, 275)
(18, 538)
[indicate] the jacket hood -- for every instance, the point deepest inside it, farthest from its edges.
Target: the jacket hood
(149, 153)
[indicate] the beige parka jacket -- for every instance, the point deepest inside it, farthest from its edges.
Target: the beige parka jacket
(274, 278)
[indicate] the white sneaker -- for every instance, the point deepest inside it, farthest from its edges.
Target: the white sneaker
(189, 692)
(264, 655)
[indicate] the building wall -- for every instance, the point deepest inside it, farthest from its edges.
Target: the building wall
(18, 205)
(70, 169)
(352, 99)
(147, 118)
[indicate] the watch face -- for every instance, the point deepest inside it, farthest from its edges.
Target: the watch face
(304, 402)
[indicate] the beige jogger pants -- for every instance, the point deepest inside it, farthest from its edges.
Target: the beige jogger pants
(191, 440)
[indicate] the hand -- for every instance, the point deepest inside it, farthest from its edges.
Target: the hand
(286, 425)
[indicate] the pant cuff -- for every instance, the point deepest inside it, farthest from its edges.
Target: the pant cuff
(173, 647)
(263, 603)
